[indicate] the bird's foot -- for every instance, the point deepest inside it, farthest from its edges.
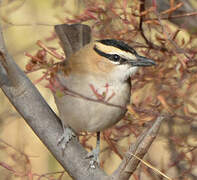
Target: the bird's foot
(94, 158)
(67, 135)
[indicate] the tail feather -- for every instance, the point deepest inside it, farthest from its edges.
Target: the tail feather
(73, 37)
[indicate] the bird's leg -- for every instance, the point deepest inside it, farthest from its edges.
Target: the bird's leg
(66, 136)
(94, 154)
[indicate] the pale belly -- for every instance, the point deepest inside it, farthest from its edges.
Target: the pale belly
(85, 115)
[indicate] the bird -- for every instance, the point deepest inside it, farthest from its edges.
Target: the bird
(95, 83)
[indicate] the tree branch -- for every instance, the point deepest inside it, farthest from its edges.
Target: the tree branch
(139, 149)
(30, 104)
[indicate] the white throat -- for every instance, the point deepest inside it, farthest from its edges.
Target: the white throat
(123, 72)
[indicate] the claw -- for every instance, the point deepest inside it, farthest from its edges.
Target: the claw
(94, 156)
(67, 135)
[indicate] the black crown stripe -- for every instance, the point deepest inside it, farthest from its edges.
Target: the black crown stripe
(109, 56)
(118, 44)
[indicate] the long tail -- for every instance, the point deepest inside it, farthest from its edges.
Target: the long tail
(73, 37)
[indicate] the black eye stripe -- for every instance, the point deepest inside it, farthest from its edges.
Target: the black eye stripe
(101, 53)
(112, 57)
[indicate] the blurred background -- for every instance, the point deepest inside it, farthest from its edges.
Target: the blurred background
(168, 35)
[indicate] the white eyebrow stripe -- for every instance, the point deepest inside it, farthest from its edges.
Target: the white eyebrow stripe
(124, 54)
(114, 50)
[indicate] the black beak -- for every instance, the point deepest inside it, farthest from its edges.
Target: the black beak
(142, 61)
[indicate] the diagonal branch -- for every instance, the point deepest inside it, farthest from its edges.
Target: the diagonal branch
(139, 149)
(39, 116)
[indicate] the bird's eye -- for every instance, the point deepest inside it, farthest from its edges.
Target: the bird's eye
(116, 57)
